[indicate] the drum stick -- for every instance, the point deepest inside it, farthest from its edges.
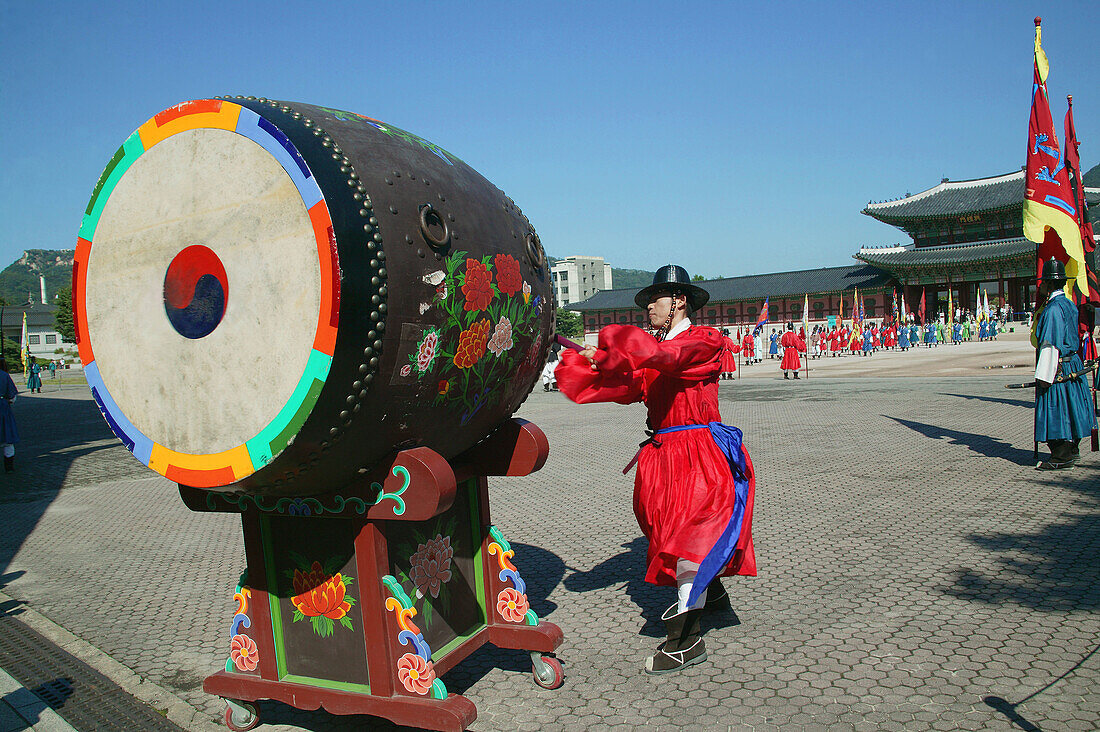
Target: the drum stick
(563, 341)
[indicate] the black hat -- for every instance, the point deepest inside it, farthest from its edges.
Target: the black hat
(1054, 271)
(673, 278)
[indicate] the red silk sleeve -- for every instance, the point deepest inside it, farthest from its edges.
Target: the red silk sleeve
(578, 382)
(623, 354)
(693, 356)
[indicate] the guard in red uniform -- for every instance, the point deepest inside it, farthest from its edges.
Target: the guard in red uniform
(693, 491)
(729, 355)
(748, 347)
(792, 344)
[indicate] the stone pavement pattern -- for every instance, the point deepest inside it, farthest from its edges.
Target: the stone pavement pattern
(915, 571)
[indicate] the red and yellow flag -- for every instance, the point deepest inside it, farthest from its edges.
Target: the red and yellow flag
(1049, 211)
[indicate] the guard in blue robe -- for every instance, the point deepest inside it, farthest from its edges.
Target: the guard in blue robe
(983, 330)
(34, 381)
(914, 335)
(903, 338)
(993, 330)
(868, 346)
(957, 333)
(1063, 409)
(9, 434)
(773, 349)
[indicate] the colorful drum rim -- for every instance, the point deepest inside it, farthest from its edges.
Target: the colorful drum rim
(222, 468)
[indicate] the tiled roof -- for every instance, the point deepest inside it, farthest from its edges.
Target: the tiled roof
(40, 315)
(757, 287)
(988, 251)
(955, 198)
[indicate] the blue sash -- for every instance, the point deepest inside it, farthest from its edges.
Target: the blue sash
(728, 440)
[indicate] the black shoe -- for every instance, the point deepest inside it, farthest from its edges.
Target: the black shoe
(683, 647)
(1048, 465)
(796, 374)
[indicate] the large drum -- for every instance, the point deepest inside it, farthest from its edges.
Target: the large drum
(272, 297)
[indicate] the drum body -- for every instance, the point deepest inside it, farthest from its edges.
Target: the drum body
(273, 297)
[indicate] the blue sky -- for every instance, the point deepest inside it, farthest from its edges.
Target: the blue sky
(732, 138)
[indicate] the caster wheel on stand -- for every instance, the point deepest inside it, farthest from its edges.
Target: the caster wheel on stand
(547, 671)
(241, 716)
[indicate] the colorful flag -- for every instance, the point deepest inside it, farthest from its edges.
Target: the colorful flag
(894, 301)
(855, 308)
(902, 306)
(840, 313)
(1073, 165)
(920, 310)
(988, 314)
(950, 308)
(1088, 242)
(806, 316)
(763, 317)
(1049, 214)
(24, 352)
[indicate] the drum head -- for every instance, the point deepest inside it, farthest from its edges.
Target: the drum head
(205, 242)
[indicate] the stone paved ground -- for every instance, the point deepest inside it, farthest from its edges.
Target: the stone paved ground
(915, 571)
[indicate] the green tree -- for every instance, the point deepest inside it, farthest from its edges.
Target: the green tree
(698, 278)
(63, 320)
(568, 324)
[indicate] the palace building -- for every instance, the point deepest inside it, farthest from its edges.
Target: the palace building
(967, 236)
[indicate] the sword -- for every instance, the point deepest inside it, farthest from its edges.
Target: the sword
(1090, 366)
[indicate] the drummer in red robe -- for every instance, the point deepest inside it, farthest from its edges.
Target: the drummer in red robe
(792, 344)
(693, 491)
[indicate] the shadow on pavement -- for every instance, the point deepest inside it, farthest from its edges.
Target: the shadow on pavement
(54, 431)
(981, 444)
(1010, 710)
(1053, 569)
(1026, 403)
(627, 567)
(543, 571)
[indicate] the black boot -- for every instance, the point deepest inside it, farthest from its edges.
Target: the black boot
(546, 387)
(1062, 455)
(717, 597)
(9, 465)
(796, 374)
(683, 646)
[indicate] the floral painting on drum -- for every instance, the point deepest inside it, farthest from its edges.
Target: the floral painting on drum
(490, 323)
(430, 567)
(320, 594)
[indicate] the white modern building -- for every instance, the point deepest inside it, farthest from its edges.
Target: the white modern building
(43, 340)
(578, 278)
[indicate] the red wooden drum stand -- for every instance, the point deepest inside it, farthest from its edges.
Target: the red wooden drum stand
(359, 601)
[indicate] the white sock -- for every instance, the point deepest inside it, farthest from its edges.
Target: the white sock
(685, 576)
(9, 450)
